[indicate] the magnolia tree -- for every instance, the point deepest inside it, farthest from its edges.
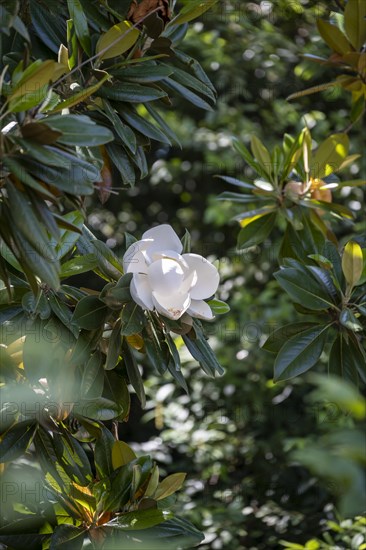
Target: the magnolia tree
(84, 87)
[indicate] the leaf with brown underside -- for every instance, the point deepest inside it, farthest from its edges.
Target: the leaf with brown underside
(144, 8)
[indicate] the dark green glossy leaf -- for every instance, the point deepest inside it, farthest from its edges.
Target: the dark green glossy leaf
(119, 490)
(123, 164)
(300, 352)
(31, 541)
(67, 536)
(105, 252)
(93, 377)
(131, 93)
(144, 73)
(62, 312)
(78, 264)
(26, 218)
(90, 313)
(46, 454)
(193, 83)
(77, 179)
(80, 23)
(155, 348)
(36, 305)
(109, 266)
(174, 365)
(140, 161)
(200, 350)
(132, 319)
(133, 373)
(187, 94)
(117, 391)
(280, 336)
(346, 360)
(324, 278)
(303, 289)
(103, 453)
(16, 440)
(124, 132)
(142, 125)
(18, 170)
(99, 408)
(79, 130)
(50, 28)
(256, 231)
(35, 264)
(163, 125)
(114, 347)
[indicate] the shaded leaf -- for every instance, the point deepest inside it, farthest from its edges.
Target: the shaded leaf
(79, 130)
(80, 23)
(90, 313)
(300, 352)
(355, 22)
(278, 337)
(68, 535)
(132, 319)
(16, 440)
(257, 230)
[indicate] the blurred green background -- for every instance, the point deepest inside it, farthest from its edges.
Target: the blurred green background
(266, 463)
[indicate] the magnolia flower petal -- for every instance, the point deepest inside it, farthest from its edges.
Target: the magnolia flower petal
(133, 256)
(169, 254)
(200, 309)
(141, 291)
(163, 237)
(135, 264)
(165, 276)
(188, 282)
(207, 276)
(171, 305)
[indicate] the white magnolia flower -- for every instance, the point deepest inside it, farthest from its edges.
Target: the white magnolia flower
(167, 280)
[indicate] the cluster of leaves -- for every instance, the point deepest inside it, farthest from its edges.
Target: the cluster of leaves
(294, 191)
(295, 185)
(68, 356)
(76, 117)
(332, 289)
(101, 500)
(346, 39)
(110, 71)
